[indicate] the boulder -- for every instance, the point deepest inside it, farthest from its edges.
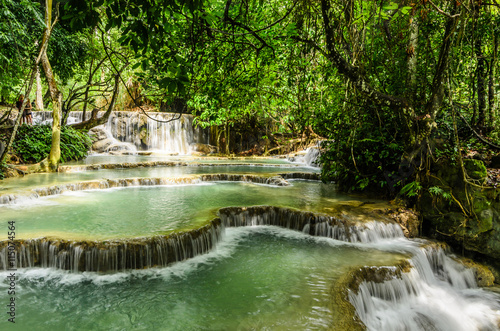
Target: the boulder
(202, 148)
(484, 276)
(99, 133)
(101, 146)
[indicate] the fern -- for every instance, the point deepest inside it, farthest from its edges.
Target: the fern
(412, 189)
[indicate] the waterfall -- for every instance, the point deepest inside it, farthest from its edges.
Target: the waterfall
(140, 181)
(312, 156)
(139, 253)
(311, 223)
(113, 255)
(161, 132)
(437, 293)
(309, 157)
(430, 292)
(152, 133)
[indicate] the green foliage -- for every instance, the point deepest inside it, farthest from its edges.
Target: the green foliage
(21, 29)
(411, 189)
(362, 154)
(436, 191)
(33, 143)
(265, 65)
(3, 166)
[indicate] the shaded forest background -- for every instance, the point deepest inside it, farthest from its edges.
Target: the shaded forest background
(394, 88)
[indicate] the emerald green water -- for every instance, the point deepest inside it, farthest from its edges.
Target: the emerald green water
(17, 185)
(104, 158)
(146, 211)
(258, 278)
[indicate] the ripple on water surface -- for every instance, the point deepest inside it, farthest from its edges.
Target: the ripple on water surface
(256, 278)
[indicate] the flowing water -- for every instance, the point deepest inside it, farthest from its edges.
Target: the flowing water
(106, 214)
(256, 278)
(154, 131)
(13, 185)
(217, 244)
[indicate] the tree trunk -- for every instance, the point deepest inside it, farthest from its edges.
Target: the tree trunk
(55, 95)
(412, 56)
(43, 50)
(4, 152)
(491, 83)
(39, 96)
(481, 84)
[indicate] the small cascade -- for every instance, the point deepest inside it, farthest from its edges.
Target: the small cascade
(140, 181)
(114, 255)
(148, 164)
(437, 293)
(309, 157)
(301, 175)
(311, 223)
(139, 253)
(274, 180)
(312, 156)
(45, 117)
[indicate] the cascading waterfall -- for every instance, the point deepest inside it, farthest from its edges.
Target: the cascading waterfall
(157, 132)
(142, 181)
(309, 157)
(437, 293)
(310, 223)
(152, 133)
(112, 255)
(139, 253)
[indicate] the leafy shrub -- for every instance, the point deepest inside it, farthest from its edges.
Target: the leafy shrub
(3, 166)
(33, 143)
(362, 154)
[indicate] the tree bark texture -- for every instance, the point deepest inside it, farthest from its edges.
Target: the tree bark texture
(481, 84)
(56, 95)
(491, 83)
(39, 96)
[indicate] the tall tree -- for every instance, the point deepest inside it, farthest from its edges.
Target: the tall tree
(55, 94)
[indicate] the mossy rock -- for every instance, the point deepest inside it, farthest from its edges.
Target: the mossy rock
(484, 275)
(475, 169)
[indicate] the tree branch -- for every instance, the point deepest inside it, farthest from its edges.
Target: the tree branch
(351, 72)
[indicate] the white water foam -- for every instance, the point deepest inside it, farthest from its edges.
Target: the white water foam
(436, 294)
(223, 250)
